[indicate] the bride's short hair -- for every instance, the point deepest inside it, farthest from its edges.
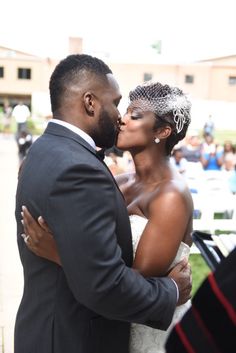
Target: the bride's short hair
(170, 106)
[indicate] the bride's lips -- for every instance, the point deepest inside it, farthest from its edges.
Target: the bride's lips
(119, 125)
(118, 129)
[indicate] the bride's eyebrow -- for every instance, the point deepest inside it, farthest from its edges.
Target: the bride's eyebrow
(135, 108)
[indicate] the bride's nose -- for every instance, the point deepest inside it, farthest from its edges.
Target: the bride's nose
(124, 119)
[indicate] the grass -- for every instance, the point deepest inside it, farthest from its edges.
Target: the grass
(200, 270)
(225, 135)
(220, 136)
(34, 126)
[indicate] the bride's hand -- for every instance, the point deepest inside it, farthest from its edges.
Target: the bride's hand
(39, 238)
(182, 276)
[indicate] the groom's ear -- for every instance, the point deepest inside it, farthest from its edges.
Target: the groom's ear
(89, 103)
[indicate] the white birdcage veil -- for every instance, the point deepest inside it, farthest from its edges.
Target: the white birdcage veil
(163, 100)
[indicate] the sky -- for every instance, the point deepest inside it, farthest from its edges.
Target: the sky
(123, 30)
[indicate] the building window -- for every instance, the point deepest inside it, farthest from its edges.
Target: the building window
(189, 78)
(24, 73)
(147, 76)
(232, 80)
(1, 71)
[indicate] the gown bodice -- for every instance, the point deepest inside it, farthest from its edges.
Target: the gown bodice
(144, 339)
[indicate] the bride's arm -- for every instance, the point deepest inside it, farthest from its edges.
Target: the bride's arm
(39, 238)
(169, 216)
(157, 248)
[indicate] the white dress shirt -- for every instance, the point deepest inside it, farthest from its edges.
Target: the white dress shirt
(76, 130)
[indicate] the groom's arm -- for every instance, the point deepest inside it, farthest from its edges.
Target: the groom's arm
(81, 214)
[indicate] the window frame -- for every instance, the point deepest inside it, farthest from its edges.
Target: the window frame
(232, 80)
(189, 79)
(1, 71)
(26, 73)
(149, 75)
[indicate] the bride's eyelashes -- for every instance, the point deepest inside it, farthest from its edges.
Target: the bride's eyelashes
(134, 113)
(135, 117)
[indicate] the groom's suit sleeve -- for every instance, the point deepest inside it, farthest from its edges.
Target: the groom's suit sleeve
(82, 215)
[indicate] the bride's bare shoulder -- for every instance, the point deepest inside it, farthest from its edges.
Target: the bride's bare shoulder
(123, 178)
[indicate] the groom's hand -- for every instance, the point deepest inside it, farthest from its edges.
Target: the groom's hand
(182, 276)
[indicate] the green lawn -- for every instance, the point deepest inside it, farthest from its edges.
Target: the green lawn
(199, 270)
(225, 135)
(221, 136)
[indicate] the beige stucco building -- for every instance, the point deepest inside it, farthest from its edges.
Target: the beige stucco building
(213, 79)
(25, 77)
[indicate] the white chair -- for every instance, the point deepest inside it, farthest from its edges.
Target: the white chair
(210, 204)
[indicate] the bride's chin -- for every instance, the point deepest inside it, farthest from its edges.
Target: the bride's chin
(119, 143)
(120, 146)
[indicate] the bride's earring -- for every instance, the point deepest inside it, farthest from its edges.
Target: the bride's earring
(157, 140)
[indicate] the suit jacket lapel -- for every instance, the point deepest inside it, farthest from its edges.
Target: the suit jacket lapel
(59, 130)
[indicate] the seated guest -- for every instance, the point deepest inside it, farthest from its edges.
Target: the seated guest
(192, 148)
(212, 156)
(229, 156)
(178, 161)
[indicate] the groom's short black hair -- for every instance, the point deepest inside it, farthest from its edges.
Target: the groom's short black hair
(69, 71)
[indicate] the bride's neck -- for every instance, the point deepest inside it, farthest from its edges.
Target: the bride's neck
(150, 166)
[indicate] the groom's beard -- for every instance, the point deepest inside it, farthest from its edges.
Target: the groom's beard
(108, 131)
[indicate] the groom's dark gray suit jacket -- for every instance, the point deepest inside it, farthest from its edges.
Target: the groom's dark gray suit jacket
(87, 305)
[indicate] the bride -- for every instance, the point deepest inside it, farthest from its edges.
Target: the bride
(158, 200)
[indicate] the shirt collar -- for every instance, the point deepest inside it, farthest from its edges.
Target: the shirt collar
(76, 130)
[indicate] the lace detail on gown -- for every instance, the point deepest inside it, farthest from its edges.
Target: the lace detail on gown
(144, 339)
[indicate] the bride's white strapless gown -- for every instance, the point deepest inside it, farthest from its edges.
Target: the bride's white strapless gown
(144, 339)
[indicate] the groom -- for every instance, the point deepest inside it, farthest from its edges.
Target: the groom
(86, 305)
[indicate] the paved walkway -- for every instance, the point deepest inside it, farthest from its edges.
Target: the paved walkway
(11, 279)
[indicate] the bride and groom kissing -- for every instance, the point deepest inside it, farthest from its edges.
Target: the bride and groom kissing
(87, 287)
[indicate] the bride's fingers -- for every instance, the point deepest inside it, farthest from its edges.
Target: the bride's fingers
(30, 243)
(183, 264)
(43, 224)
(31, 227)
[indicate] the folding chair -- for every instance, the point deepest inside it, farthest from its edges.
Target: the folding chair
(208, 248)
